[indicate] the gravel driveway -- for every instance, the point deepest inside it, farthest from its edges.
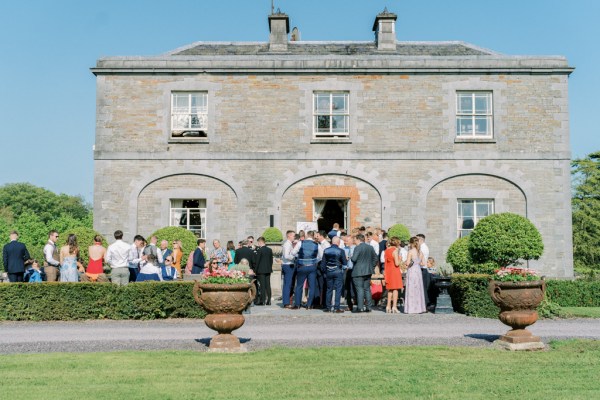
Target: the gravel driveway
(273, 326)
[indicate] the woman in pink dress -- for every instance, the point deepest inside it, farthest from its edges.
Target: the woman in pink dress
(414, 301)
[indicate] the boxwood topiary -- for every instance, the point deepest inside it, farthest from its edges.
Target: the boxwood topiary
(505, 239)
(189, 241)
(459, 257)
(272, 235)
(400, 231)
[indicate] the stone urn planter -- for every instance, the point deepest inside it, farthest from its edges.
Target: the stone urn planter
(444, 302)
(518, 302)
(224, 304)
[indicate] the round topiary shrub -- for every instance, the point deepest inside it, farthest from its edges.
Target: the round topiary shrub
(505, 239)
(272, 235)
(400, 231)
(85, 238)
(189, 241)
(459, 257)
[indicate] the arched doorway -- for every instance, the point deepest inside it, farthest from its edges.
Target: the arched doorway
(331, 211)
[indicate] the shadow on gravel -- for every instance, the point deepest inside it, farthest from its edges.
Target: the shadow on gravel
(487, 338)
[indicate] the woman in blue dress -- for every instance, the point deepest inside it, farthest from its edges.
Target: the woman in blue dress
(69, 264)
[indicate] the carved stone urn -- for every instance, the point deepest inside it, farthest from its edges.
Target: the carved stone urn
(224, 304)
(518, 302)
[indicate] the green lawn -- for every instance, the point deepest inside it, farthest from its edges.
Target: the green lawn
(569, 370)
(582, 312)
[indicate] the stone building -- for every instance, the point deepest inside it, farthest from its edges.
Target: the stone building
(227, 138)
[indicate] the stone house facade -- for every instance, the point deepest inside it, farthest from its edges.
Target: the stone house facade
(227, 138)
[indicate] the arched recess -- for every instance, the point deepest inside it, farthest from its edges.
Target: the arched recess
(364, 201)
(441, 205)
(341, 169)
(162, 171)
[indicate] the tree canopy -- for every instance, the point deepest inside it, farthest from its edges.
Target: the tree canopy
(586, 213)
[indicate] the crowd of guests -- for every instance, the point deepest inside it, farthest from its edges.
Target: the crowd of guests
(319, 268)
(337, 265)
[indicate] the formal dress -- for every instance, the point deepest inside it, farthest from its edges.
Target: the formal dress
(392, 273)
(68, 270)
(95, 267)
(414, 301)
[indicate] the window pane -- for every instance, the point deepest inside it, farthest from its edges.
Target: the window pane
(322, 103)
(465, 103)
(482, 126)
(463, 233)
(467, 209)
(484, 208)
(482, 104)
(338, 123)
(464, 126)
(322, 123)
(339, 103)
(180, 122)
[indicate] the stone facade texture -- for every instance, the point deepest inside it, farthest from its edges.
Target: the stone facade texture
(401, 163)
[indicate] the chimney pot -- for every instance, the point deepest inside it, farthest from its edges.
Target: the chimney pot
(279, 27)
(385, 31)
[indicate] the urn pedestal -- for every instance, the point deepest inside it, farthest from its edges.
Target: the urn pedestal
(518, 302)
(224, 304)
(444, 302)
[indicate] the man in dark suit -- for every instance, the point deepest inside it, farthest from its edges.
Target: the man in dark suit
(14, 257)
(244, 252)
(264, 268)
(364, 260)
(199, 260)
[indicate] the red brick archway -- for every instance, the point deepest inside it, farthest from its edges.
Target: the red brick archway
(332, 192)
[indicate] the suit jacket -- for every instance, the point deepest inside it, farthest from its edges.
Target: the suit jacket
(264, 260)
(364, 260)
(14, 255)
(244, 252)
(199, 260)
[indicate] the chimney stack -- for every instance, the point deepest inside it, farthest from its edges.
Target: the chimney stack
(279, 26)
(385, 31)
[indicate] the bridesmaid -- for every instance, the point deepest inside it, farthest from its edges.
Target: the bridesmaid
(414, 302)
(69, 265)
(393, 275)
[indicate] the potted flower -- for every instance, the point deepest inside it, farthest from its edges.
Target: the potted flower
(507, 240)
(224, 295)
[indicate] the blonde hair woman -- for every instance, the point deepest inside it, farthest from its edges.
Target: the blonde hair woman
(177, 256)
(414, 301)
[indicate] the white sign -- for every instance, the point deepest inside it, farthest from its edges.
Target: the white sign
(306, 226)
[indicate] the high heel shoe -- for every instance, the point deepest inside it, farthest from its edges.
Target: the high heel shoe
(388, 310)
(394, 311)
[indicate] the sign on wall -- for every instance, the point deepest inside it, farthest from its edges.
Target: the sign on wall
(306, 226)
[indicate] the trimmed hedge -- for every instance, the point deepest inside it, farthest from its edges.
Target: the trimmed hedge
(400, 231)
(470, 296)
(76, 301)
(272, 235)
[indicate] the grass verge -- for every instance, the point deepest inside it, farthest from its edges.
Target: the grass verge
(569, 370)
(581, 312)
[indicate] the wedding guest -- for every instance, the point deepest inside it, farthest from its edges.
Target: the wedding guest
(168, 272)
(33, 273)
(230, 254)
(414, 301)
(364, 261)
(95, 270)
(51, 257)
(117, 257)
(393, 274)
(220, 254)
(69, 263)
(177, 256)
(14, 257)
(135, 257)
(149, 271)
(264, 268)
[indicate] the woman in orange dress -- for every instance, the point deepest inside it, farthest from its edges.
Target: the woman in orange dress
(393, 275)
(177, 256)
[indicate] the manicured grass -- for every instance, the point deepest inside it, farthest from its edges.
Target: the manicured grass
(582, 312)
(569, 370)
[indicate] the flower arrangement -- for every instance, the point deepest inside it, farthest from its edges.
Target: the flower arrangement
(511, 274)
(223, 276)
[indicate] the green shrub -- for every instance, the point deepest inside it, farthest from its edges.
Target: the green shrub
(579, 293)
(459, 257)
(400, 231)
(75, 301)
(272, 235)
(189, 241)
(470, 296)
(505, 239)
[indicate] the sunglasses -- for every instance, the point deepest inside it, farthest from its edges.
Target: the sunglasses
(213, 263)
(168, 259)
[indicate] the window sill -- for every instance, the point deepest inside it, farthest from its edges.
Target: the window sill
(330, 140)
(202, 140)
(474, 140)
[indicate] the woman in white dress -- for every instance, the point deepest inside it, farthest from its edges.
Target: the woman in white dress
(414, 300)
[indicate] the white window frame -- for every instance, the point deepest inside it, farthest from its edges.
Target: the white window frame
(331, 113)
(179, 113)
(460, 231)
(473, 115)
(200, 231)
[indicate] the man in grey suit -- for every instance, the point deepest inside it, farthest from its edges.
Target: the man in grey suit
(364, 260)
(14, 257)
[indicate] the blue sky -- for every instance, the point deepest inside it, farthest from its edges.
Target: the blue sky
(47, 93)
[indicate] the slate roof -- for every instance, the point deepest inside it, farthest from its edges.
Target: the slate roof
(415, 49)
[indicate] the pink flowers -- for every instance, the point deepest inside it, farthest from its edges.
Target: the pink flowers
(223, 276)
(512, 274)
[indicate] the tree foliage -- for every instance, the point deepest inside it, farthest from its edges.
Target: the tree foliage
(33, 212)
(586, 212)
(505, 239)
(400, 231)
(459, 256)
